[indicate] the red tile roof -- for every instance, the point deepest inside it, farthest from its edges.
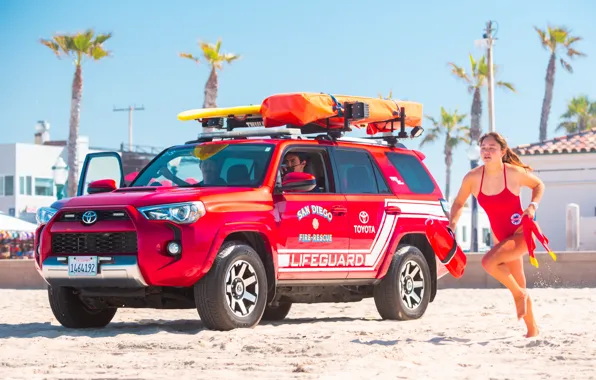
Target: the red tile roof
(580, 142)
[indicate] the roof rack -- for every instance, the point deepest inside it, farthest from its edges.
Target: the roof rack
(243, 134)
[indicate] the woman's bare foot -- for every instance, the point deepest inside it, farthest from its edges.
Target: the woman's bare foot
(520, 304)
(532, 331)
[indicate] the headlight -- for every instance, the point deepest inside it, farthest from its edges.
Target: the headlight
(44, 214)
(183, 213)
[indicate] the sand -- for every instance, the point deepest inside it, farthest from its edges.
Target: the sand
(465, 334)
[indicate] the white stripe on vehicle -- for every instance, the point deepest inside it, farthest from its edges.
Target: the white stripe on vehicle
(410, 209)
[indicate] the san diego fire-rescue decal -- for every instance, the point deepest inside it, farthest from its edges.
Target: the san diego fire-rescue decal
(295, 259)
(315, 210)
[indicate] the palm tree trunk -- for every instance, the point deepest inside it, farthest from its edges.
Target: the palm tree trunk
(548, 96)
(73, 132)
(211, 90)
(476, 114)
(448, 162)
(211, 94)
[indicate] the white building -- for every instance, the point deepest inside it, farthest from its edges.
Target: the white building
(26, 175)
(567, 166)
(463, 232)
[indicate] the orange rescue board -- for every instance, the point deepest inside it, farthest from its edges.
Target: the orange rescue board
(303, 108)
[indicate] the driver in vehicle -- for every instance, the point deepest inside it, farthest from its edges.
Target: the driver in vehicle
(296, 162)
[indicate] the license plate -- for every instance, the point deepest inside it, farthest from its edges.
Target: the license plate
(82, 266)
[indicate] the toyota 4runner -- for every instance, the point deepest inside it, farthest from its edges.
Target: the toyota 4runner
(244, 222)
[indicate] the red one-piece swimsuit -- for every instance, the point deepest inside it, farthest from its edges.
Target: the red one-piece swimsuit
(504, 210)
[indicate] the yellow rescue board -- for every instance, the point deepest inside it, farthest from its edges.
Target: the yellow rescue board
(201, 113)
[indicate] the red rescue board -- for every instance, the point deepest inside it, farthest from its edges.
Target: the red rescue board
(442, 240)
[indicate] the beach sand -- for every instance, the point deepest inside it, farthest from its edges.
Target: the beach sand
(465, 334)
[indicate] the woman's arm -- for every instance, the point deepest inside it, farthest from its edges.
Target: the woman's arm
(530, 180)
(460, 200)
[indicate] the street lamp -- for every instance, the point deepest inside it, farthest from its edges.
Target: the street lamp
(60, 170)
(474, 156)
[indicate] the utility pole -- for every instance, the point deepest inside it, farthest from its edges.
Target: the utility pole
(488, 36)
(130, 109)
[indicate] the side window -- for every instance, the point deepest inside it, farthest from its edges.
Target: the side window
(413, 173)
(358, 173)
(313, 161)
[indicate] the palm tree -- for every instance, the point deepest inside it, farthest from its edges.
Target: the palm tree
(77, 46)
(580, 115)
(450, 127)
(476, 80)
(215, 59)
(557, 40)
(388, 97)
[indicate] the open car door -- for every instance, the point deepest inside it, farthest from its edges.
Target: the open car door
(101, 166)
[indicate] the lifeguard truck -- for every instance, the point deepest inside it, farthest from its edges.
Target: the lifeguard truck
(276, 206)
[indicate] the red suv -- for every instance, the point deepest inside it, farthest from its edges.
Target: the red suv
(243, 223)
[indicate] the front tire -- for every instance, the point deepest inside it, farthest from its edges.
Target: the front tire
(72, 313)
(404, 292)
(233, 294)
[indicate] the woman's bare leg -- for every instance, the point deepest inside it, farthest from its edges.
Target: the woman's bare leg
(510, 249)
(516, 267)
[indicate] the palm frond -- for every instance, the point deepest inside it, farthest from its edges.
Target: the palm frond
(507, 85)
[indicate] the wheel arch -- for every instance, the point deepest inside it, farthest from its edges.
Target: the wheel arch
(261, 244)
(420, 241)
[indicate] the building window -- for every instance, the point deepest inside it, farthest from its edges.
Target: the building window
(25, 185)
(1, 185)
(44, 186)
(9, 185)
(464, 234)
(486, 236)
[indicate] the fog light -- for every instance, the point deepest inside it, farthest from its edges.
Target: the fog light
(173, 248)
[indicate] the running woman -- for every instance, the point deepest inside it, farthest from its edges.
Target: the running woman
(497, 185)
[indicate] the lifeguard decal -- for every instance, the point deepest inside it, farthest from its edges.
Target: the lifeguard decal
(320, 259)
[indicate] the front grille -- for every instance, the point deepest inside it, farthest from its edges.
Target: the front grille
(94, 243)
(102, 215)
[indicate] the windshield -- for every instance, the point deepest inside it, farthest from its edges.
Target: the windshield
(208, 165)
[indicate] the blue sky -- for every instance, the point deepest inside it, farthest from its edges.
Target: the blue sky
(334, 47)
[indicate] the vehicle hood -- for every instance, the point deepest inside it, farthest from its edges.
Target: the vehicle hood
(146, 196)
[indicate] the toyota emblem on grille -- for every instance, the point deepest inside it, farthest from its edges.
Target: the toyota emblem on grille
(89, 217)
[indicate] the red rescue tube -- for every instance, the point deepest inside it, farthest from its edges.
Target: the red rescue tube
(442, 240)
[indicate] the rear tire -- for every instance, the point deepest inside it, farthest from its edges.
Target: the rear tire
(233, 294)
(404, 292)
(72, 313)
(277, 313)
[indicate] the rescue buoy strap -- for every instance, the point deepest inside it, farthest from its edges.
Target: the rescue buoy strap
(452, 251)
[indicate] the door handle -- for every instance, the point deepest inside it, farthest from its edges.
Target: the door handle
(339, 210)
(392, 210)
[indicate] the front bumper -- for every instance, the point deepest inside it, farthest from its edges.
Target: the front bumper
(113, 271)
(131, 250)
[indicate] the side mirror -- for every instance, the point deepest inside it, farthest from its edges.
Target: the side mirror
(101, 186)
(300, 182)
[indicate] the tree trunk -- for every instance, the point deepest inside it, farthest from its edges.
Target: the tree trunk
(548, 96)
(211, 90)
(73, 132)
(211, 93)
(476, 114)
(448, 162)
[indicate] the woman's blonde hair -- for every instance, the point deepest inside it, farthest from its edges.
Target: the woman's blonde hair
(510, 157)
